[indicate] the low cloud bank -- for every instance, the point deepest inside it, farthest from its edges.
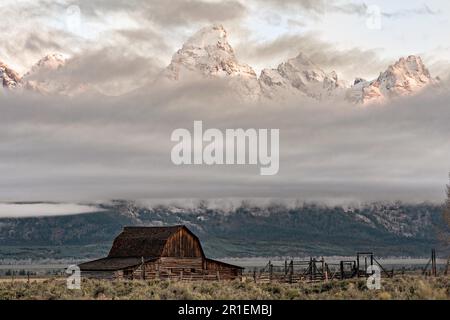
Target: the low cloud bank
(96, 148)
(23, 210)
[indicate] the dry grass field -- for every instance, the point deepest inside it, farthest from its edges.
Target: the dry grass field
(404, 288)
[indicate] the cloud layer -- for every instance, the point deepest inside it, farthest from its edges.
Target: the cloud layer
(87, 149)
(16, 210)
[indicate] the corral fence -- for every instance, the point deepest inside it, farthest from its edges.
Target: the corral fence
(318, 269)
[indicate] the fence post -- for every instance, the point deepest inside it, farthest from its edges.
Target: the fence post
(285, 268)
(447, 267)
(270, 271)
(433, 263)
(291, 273)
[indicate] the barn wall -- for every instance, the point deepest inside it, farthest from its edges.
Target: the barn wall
(148, 271)
(185, 269)
(225, 272)
(183, 245)
(184, 263)
(107, 275)
(168, 268)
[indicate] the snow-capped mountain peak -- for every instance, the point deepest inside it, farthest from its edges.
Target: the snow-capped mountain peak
(48, 77)
(299, 76)
(50, 62)
(302, 62)
(209, 54)
(406, 77)
(207, 37)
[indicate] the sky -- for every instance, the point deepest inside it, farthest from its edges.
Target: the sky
(90, 148)
(152, 29)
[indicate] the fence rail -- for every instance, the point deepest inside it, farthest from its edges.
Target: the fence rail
(315, 270)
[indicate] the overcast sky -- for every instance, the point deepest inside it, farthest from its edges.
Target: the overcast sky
(264, 32)
(87, 149)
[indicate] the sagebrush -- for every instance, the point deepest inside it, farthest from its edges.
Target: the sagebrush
(407, 287)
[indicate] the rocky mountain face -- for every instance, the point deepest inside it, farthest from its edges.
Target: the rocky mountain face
(208, 54)
(49, 77)
(45, 77)
(248, 231)
(300, 76)
(406, 77)
(9, 79)
(48, 63)
(39, 78)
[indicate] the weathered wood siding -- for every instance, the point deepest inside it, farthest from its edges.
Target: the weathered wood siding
(185, 269)
(181, 263)
(183, 245)
(224, 271)
(169, 268)
(148, 271)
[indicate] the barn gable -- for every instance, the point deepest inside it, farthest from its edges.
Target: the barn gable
(183, 244)
(153, 242)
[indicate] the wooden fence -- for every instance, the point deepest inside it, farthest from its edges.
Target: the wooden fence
(315, 270)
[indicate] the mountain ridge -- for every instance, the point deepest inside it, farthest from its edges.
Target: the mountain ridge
(392, 229)
(208, 55)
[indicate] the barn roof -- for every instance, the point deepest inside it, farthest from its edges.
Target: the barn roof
(143, 241)
(112, 264)
(224, 264)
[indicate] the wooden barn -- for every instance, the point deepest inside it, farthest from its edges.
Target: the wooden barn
(158, 253)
